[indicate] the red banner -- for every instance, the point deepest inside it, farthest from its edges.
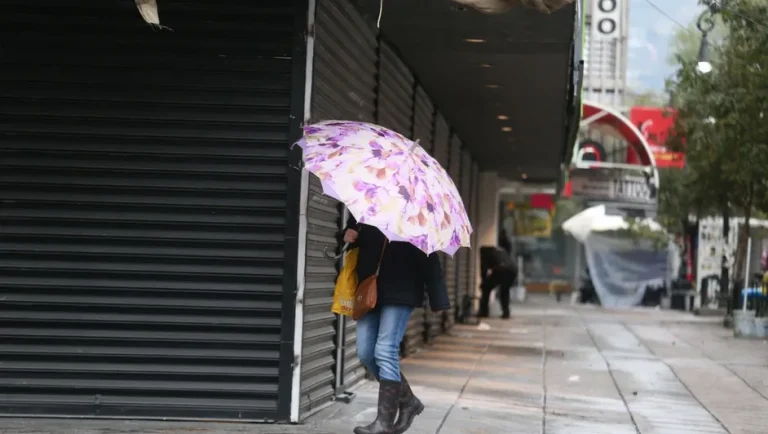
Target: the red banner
(542, 201)
(656, 124)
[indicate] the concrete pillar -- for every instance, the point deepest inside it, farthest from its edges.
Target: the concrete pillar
(488, 209)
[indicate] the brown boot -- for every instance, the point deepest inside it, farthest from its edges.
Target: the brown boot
(410, 407)
(389, 394)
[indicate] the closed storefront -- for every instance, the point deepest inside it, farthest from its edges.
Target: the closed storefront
(418, 331)
(162, 252)
(144, 182)
(397, 95)
(396, 92)
(452, 262)
(440, 150)
(463, 256)
(344, 88)
(474, 215)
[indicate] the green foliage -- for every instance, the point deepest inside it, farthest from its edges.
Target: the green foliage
(675, 204)
(565, 209)
(721, 122)
(639, 231)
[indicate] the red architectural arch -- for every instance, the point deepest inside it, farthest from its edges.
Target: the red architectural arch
(596, 113)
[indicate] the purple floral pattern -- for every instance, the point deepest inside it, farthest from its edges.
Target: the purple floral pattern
(388, 181)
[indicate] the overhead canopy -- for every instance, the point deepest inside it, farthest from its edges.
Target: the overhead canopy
(482, 67)
(505, 80)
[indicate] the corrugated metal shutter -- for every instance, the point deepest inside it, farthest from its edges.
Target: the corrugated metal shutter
(424, 131)
(396, 111)
(441, 150)
(441, 145)
(474, 215)
(424, 120)
(451, 263)
(143, 189)
(464, 254)
(344, 88)
(395, 93)
(318, 376)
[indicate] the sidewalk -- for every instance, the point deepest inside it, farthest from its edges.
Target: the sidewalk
(551, 369)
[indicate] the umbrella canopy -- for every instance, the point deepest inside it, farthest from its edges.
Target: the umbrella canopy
(389, 182)
(595, 219)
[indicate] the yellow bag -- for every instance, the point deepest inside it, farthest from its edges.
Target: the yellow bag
(346, 285)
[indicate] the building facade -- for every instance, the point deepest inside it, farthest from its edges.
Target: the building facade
(163, 254)
(606, 42)
(163, 250)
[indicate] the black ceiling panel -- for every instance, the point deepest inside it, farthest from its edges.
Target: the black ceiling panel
(520, 70)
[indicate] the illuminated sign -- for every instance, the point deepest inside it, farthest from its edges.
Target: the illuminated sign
(606, 19)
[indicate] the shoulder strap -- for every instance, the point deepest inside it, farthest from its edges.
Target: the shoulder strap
(378, 267)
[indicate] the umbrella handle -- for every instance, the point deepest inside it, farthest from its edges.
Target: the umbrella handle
(332, 257)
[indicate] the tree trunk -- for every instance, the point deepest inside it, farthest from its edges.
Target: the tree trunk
(724, 278)
(741, 252)
(743, 239)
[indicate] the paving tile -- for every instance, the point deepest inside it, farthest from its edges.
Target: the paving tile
(552, 369)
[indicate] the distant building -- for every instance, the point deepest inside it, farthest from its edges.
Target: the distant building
(606, 36)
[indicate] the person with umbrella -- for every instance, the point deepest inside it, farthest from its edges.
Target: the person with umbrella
(406, 208)
(404, 274)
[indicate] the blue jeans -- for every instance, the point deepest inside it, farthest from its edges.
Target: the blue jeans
(379, 334)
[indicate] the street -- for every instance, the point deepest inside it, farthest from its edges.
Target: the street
(553, 368)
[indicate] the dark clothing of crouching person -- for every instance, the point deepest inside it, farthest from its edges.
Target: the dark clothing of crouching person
(498, 270)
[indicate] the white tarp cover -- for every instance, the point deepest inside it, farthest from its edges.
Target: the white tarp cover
(621, 268)
(596, 219)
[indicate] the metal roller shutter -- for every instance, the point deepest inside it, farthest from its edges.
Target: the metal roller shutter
(424, 120)
(396, 111)
(344, 88)
(441, 150)
(318, 375)
(464, 254)
(423, 130)
(395, 93)
(475, 218)
(143, 191)
(441, 146)
(451, 263)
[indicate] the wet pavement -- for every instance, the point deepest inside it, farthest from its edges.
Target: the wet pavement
(551, 369)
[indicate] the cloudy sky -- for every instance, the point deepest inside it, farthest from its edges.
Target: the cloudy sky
(650, 33)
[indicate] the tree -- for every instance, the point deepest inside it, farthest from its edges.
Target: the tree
(675, 204)
(744, 75)
(720, 121)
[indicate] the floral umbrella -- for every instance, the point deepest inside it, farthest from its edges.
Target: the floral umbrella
(389, 182)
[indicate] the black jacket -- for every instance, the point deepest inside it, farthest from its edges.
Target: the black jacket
(503, 270)
(406, 273)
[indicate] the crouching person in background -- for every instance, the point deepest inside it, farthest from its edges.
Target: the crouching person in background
(498, 271)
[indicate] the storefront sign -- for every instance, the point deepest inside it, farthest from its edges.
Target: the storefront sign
(612, 185)
(606, 19)
(657, 126)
